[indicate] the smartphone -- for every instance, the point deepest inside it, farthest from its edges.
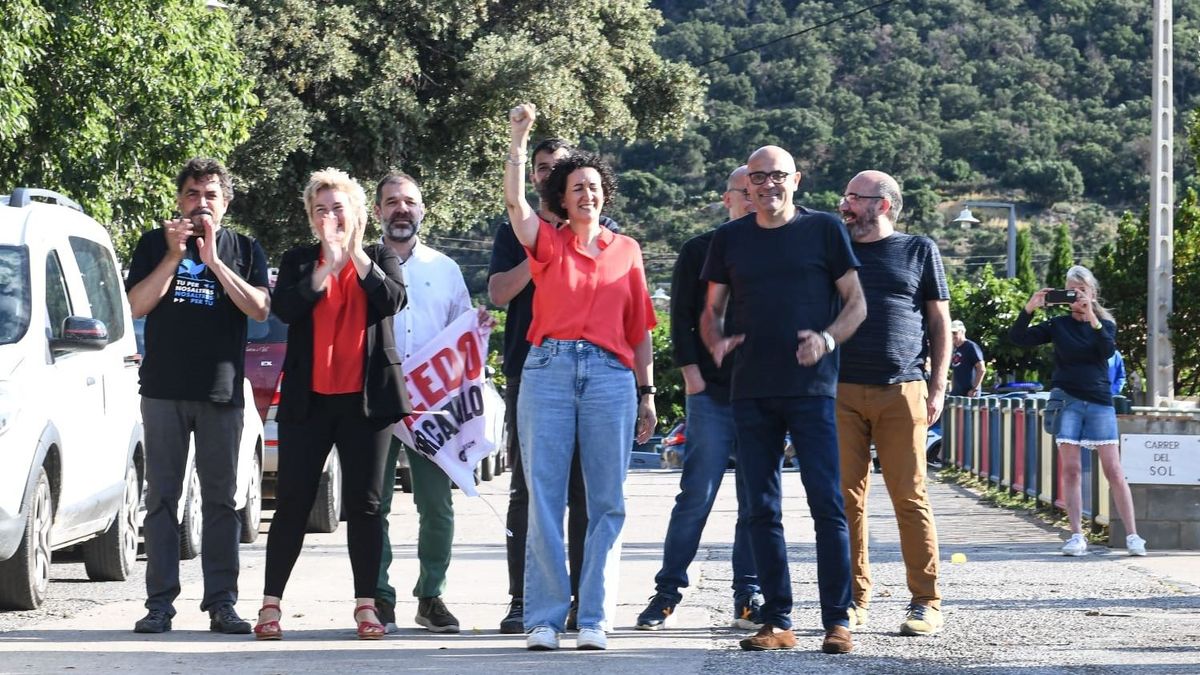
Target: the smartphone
(1060, 296)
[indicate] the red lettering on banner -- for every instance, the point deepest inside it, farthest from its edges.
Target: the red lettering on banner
(424, 384)
(468, 346)
(449, 367)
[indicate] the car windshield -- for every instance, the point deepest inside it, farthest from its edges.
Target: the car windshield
(271, 330)
(14, 293)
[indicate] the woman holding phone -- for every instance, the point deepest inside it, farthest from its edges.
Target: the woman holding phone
(1080, 412)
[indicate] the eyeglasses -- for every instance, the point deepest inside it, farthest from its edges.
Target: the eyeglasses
(743, 192)
(760, 177)
(851, 197)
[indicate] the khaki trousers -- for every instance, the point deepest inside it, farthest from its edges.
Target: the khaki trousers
(894, 418)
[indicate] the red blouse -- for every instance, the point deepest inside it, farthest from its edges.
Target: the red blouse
(340, 335)
(603, 300)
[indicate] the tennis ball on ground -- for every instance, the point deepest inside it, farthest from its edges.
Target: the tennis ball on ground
(958, 558)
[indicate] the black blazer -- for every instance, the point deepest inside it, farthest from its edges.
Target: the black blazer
(384, 394)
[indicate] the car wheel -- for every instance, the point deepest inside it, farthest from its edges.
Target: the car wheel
(328, 505)
(251, 514)
(25, 576)
(110, 556)
(404, 478)
(191, 526)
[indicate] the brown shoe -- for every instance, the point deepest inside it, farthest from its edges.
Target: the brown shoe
(837, 641)
(769, 637)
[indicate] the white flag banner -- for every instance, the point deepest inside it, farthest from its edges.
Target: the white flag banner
(456, 413)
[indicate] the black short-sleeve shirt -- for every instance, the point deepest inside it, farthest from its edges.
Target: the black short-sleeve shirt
(196, 335)
(782, 280)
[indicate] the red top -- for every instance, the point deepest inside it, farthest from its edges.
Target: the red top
(603, 300)
(340, 335)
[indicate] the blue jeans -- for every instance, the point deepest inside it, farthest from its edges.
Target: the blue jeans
(573, 392)
(761, 426)
(710, 440)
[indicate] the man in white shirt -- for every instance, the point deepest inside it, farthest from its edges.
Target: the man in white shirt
(437, 295)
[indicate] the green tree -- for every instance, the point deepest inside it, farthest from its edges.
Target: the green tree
(21, 35)
(123, 93)
(1026, 277)
(360, 85)
(1061, 257)
(989, 306)
(1120, 267)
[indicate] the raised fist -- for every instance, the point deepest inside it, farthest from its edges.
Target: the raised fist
(522, 117)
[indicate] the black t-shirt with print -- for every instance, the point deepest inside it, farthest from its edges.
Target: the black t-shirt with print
(196, 335)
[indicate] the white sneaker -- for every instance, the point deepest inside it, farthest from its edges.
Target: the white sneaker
(1135, 545)
(1075, 546)
(591, 638)
(541, 639)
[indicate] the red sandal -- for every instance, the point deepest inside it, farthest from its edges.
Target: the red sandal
(268, 630)
(369, 630)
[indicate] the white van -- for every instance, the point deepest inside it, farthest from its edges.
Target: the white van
(71, 452)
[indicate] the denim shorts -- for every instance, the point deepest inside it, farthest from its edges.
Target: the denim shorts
(1079, 422)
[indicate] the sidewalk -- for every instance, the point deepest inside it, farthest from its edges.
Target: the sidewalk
(1014, 606)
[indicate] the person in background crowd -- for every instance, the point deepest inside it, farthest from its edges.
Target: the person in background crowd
(437, 295)
(1116, 372)
(882, 396)
(967, 368)
(195, 282)
(339, 386)
(588, 381)
(710, 439)
(1080, 412)
(510, 283)
(790, 280)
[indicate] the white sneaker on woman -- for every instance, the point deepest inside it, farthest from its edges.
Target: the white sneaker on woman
(591, 638)
(1135, 545)
(541, 639)
(1075, 546)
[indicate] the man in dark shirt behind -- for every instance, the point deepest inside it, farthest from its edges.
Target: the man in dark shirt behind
(509, 283)
(790, 282)
(967, 368)
(195, 282)
(710, 439)
(882, 396)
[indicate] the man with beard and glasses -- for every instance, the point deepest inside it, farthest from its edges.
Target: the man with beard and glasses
(710, 439)
(437, 295)
(790, 282)
(510, 283)
(195, 282)
(882, 396)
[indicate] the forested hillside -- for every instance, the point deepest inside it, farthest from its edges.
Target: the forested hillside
(1039, 103)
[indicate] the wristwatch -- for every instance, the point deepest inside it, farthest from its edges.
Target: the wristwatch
(647, 389)
(830, 344)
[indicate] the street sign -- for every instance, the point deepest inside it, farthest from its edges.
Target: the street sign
(1164, 459)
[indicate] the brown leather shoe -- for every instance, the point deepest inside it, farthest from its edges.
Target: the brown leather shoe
(769, 637)
(837, 641)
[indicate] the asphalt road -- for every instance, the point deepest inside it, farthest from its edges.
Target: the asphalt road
(1015, 605)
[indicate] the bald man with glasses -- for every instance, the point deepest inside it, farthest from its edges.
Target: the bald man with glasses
(787, 279)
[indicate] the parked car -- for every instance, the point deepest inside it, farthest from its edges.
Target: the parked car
(674, 444)
(70, 427)
(266, 345)
(248, 497)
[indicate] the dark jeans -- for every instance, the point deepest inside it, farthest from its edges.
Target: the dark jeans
(710, 441)
(518, 505)
(217, 428)
(362, 445)
(761, 426)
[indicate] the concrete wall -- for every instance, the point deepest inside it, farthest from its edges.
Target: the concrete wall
(1168, 516)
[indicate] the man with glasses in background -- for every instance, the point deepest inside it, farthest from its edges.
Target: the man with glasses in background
(882, 397)
(789, 279)
(710, 439)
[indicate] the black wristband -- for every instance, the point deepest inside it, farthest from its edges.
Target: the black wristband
(647, 389)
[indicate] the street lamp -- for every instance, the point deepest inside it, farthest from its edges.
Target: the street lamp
(965, 219)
